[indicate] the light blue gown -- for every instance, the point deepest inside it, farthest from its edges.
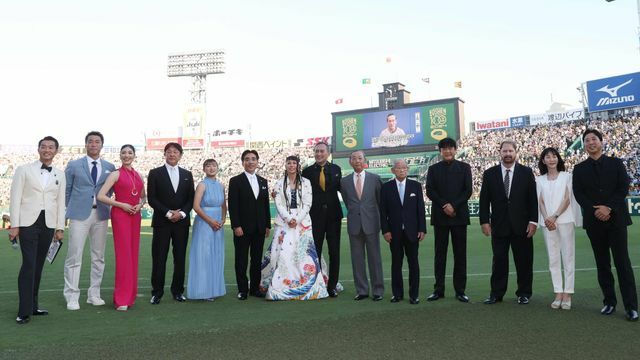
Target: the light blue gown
(206, 257)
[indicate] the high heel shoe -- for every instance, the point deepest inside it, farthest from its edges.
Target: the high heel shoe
(122, 308)
(566, 305)
(556, 304)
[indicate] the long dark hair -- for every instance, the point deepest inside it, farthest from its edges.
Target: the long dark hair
(285, 186)
(543, 167)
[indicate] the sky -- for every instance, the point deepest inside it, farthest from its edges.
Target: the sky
(68, 67)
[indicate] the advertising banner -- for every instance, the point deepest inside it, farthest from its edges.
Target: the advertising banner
(614, 92)
(193, 127)
(156, 139)
(549, 118)
(519, 121)
(492, 124)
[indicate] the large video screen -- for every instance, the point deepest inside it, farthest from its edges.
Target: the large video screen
(416, 127)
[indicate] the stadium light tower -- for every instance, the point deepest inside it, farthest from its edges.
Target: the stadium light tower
(197, 65)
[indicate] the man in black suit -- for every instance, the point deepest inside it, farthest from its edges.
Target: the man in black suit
(600, 185)
(326, 212)
(509, 213)
(403, 223)
(449, 187)
(251, 222)
(170, 193)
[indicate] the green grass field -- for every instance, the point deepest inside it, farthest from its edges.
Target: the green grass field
(326, 329)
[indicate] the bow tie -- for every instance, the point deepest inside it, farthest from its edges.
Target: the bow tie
(45, 167)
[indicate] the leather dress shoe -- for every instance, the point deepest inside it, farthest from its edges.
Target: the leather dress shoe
(492, 300)
(360, 297)
(415, 301)
(242, 296)
(155, 300)
(333, 293)
(259, 294)
(608, 310)
(632, 315)
(21, 320)
(179, 298)
(395, 299)
(434, 297)
(523, 300)
(462, 298)
(376, 297)
(40, 312)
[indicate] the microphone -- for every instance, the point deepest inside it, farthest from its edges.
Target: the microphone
(14, 244)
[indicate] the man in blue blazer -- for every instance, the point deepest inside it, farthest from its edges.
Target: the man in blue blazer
(403, 224)
(87, 217)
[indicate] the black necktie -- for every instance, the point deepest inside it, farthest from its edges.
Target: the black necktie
(45, 167)
(507, 180)
(94, 172)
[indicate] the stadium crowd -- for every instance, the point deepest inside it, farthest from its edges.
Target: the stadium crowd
(479, 149)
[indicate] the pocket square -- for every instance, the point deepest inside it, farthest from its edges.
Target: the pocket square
(412, 195)
(264, 188)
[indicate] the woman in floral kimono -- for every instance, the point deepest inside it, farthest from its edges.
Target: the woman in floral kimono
(290, 268)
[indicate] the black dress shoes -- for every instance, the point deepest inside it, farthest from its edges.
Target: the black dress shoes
(608, 310)
(360, 297)
(395, 299)
(376, 297)
(523, 300)
(492, 300)
(242, 296)
(462, 298)
(21, 320)
(40, 312)
(179, 298)
(155, 300)
(332, 293)
(632, 315)
(434, 297)
(259, 294)
(415, 301)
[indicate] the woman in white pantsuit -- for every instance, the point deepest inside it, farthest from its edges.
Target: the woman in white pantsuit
(559, 214)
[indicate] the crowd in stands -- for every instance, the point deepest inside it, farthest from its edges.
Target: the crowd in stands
(480, 149)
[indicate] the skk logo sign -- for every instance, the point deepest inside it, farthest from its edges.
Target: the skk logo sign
(614, 92)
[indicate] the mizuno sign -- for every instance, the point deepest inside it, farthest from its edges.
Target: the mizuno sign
(614, 92)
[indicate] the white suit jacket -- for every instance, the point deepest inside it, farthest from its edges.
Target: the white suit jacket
(28, 197)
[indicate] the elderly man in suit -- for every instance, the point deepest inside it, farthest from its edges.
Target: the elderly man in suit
(600, 185)
(87, 217)
(37, 216)
(361, 195)
(509, 214)
(403, 221)
(251, 222)
(170, 193)
(449, 188)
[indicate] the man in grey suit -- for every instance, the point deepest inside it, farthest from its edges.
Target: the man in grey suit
(87, 217)
(361, 194)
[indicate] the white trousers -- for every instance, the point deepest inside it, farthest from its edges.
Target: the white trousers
(561, 245)
(78, 232)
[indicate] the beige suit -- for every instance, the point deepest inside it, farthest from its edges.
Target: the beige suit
(29, 198)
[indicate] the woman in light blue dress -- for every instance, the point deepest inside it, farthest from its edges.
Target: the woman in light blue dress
(206, 257)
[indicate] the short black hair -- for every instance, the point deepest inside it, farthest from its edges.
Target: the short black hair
(322, 143)
(447, 143)
(390, 114)
(246, 152)
(94, 133)
(173, 145)
(592, 131)
(209, 161)
(49, 138)
(128, 146)
(543, 167)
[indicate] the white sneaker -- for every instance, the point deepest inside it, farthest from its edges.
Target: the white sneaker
(73, 305)
(95, 301)
(122, 308)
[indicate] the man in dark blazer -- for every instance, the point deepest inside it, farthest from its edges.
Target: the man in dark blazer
(326, 212)
(170, 193)
(37, 216)
(361, 195)
(403, 222)
(449, 187)
(600, 185)
(509, 213)
(251, 223)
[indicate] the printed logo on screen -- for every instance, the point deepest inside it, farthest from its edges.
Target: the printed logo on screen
(349, 131)
(613, 95)
(438, 123)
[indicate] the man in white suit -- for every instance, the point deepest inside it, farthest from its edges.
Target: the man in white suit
(37, 216)
(87, 217)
